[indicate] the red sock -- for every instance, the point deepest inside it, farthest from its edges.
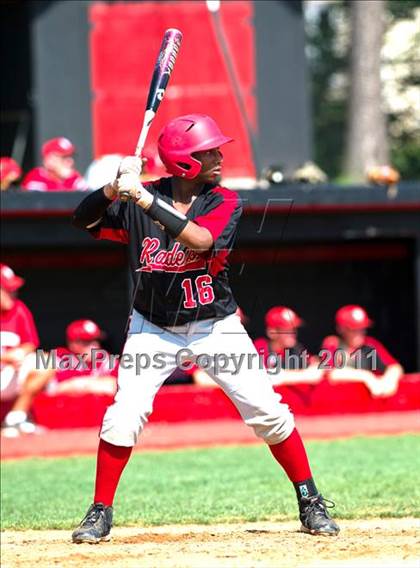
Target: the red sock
(110, 463)
(291, 455)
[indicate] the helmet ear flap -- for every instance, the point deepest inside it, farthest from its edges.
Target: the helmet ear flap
(193, 167)
(188, 168)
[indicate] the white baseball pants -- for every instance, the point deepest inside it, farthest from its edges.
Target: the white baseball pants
(157, 352)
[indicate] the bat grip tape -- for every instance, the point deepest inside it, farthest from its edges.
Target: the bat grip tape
(173, 221)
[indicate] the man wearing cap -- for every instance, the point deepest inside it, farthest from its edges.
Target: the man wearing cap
(9, 172)
(289, 362)
(83, 366)
(57, 172)
(20, 379)
(353, 356)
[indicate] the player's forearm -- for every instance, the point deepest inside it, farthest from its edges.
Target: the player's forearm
(196, 238)
(175, 223)
(387, 384)
(84, 384)
(27, 347)
(92, 208)
(17, 353)
(393, 372)
(349, 374)
(298, 376)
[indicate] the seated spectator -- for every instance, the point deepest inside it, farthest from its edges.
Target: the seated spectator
(57, 172)
(20, 379)
(283, 353)
(96, 373)
(10, 172)
(356, 357)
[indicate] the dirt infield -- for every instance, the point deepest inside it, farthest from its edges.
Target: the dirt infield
(205, 433)
(373, 543)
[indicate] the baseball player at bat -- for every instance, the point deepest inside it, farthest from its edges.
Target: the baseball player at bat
(179, 231)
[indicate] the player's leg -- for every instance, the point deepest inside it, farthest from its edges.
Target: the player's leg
(238, 370)
(27, 382)
(153, 351)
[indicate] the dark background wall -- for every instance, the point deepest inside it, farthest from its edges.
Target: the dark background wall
(68, 284)
(16, 102)
(337, 246)
(317, 289)
(60, 68)
(285, 121)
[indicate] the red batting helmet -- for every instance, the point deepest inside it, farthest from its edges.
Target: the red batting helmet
(281, 317)
(352, 317)
(85, 330)
(9, 280)
(185, 135)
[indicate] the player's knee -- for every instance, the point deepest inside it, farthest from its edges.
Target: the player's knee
(274, 429)
(123, 429)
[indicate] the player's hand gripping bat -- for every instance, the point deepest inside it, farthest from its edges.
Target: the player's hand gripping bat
(163, 69)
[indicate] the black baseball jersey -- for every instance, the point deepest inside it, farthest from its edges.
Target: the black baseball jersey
(177, 285)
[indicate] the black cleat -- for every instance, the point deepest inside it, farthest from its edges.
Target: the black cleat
(315, 518)
(96, 525)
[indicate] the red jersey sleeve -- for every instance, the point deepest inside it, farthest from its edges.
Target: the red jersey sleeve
(381, 352)
(77, 182)
(330, 343)
(34, 181)
(329, 346)
(261, 345)
(263, 348)
(222, 219)
(26, 325)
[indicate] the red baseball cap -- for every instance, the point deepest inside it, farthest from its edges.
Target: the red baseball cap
(60, 145)
(282, 318)
(353, 317)
(85, 330)
(9, 280)
(9, 166)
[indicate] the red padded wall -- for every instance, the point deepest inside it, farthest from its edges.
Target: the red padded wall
(124, 42)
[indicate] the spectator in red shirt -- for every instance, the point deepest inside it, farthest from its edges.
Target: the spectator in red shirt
(20, 379)
(57, 172)
(10, 172)
(96, 373)
(290, 361)
(353, 356)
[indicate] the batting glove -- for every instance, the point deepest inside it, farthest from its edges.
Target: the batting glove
(130, 165)
(130, 187)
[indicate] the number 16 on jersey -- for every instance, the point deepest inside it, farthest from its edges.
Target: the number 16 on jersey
(203, 286)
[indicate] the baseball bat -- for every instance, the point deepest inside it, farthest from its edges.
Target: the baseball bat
(163, 69)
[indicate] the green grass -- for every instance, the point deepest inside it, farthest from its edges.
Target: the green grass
(367, 477)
